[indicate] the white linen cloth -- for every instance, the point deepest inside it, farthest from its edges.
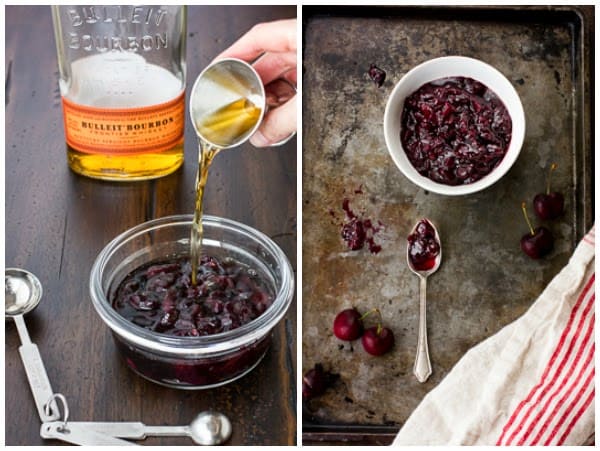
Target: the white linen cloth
(532, 383)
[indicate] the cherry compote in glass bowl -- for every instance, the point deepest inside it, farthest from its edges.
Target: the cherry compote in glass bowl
(140, 288)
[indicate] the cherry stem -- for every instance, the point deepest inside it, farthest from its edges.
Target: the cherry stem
(375, 310)
(524, 208)
(553, 167)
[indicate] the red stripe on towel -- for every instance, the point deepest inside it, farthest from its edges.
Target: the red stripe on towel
(550, 365)
(566, 383)
(590, 238)
(589, 381)
(549, 385)
(564, 399)
(577, 416)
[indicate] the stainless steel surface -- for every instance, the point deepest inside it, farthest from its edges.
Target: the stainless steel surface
(22, 293)
(422, 368)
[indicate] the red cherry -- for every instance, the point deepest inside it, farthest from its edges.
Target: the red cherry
(538, 242)
(377, 340)
(316, 381)
(347, 325)
(313, 382)
(549, 205)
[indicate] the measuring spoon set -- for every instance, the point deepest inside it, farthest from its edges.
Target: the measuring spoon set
(23, 292)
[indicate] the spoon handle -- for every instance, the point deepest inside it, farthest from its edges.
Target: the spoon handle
(167, 431)
(36, 373)
(422, 369)
(133, 430)
(78, 434)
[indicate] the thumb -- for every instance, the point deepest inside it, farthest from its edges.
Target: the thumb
(278, 124)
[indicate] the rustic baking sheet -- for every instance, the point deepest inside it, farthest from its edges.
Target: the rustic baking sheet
(485, 281)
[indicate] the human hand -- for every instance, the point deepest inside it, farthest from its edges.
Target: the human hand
(276, 42)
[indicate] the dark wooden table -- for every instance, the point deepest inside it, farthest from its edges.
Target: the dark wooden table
(57, 222)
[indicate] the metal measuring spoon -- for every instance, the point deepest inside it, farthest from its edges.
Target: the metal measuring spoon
(79, 435)
(422, 367)
(208, 428)
(220, 84)
(22, 293)
(74, 433)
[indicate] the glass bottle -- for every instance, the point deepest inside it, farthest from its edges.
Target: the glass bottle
(122, 81)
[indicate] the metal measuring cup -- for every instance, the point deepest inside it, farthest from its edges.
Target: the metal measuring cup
(223, 82)
(220, 84)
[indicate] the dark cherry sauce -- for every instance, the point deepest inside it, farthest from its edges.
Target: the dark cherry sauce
(455, 130)
(423, 246)
(377, 75)
(193, 372)
(160, 296)
(358, 231)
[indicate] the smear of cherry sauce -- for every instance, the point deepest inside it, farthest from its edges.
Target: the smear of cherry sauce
(423, 246)
(356, 230)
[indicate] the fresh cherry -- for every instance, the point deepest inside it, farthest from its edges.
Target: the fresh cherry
(347, 325)
(539, 241)
(316, 381)
(377, 75)
(377, 340)
(549, 205)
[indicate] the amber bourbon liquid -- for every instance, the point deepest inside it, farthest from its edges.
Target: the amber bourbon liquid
(224, 126)
(127, 83)
(122, 81)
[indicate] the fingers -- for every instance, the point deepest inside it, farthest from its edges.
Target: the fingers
(272, 66)
(278, 36)
(277, 125)
(275, 44)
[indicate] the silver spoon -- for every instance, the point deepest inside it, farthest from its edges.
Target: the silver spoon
(208, 428)
(22, 293)
(422, 368)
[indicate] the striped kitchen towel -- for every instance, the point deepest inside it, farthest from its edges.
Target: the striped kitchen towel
(532, 383)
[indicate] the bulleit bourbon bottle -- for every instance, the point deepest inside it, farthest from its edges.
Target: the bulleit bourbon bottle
(122, 81)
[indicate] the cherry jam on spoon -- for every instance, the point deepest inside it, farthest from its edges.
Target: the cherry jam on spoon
(424, 256)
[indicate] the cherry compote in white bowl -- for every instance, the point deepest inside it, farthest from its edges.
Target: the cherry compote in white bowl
(454, 125)
(191, 336)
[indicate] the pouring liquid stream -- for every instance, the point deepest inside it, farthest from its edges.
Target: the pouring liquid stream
(222, 128)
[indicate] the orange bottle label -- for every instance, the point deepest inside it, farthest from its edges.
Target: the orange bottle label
(124, 131)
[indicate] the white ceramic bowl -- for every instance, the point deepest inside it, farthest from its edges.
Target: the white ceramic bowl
(452, 66)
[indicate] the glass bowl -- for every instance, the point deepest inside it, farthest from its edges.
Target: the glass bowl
(191, 362)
